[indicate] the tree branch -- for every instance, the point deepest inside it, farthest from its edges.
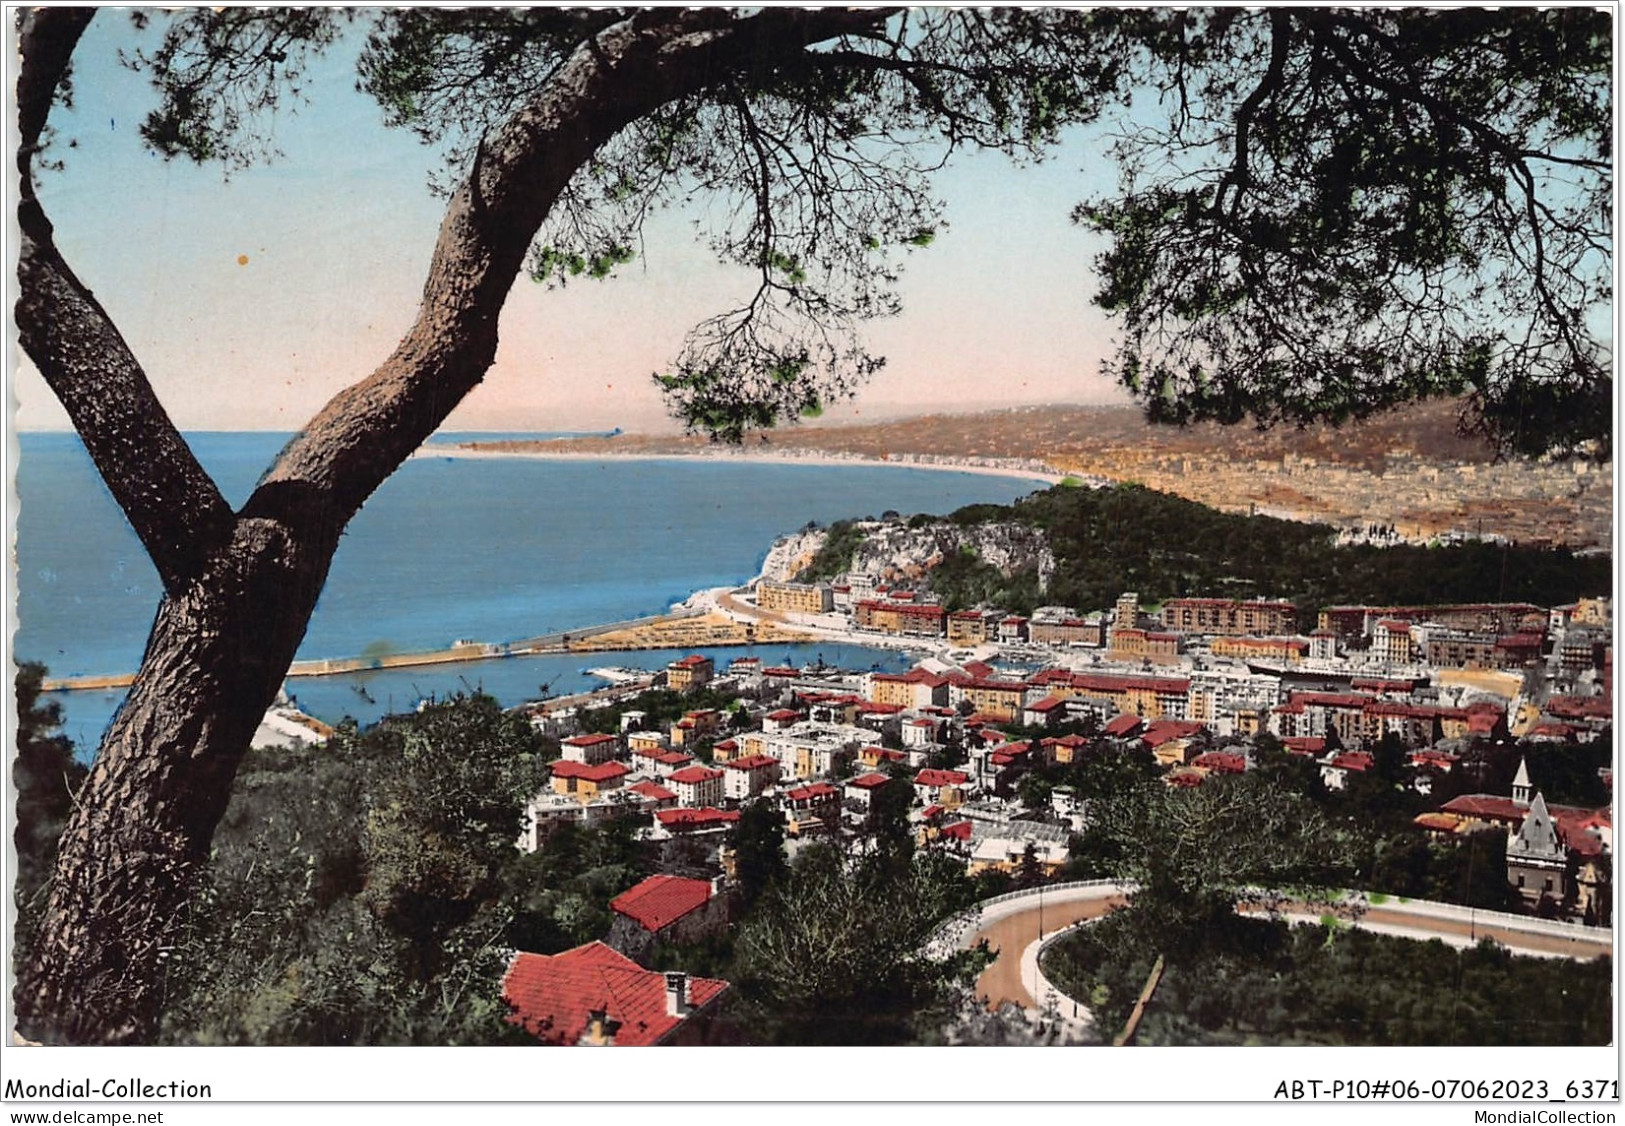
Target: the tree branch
(1239, 176)
(169, 499)
(621, 73)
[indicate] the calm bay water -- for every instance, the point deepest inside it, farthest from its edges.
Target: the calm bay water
(490, 549)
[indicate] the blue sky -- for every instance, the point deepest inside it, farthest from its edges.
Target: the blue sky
(252, 301)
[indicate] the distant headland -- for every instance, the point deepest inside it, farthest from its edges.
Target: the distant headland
(1409, 469)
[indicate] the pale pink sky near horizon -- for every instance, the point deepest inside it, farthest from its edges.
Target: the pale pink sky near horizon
(251, 302)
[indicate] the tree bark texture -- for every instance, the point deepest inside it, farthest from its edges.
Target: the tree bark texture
(240, 587)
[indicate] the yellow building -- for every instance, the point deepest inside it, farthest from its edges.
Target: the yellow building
(1288, 649)
(999, 698)
(690, 672)
(695, 725)
(970, 627)
(587, 783)
(891, 688)
(1145, 645)
(652, 741)
(795, 598)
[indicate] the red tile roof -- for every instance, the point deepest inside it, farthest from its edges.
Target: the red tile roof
(660, 901)
(941, 778)
(1490, 807)
(869, 781)
(695, 818)
(1222, 762)
(958, 831)
(603, 772)
(815, 792)
(1437, 822)
(1166, 730)
(1443, 760)
(1107, 682)
(653, 790)
(1577, 707)
(695, 774)
(1330, 699)
(754, 762)
(1574, 825)
(1051, 676)
(588, 740)
(1121, 726)
(1395, 710)
(1382, 684)
(553, 996)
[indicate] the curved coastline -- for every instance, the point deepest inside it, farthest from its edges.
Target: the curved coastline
(990, 467)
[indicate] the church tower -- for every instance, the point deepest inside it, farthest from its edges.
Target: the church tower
(1520, 786)
(1537, 861)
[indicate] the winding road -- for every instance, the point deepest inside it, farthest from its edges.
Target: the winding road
(1011, 925)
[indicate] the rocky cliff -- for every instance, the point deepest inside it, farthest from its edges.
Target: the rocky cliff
(791, 554)
(893, 552)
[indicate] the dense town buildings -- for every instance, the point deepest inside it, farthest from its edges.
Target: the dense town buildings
(1195, 686)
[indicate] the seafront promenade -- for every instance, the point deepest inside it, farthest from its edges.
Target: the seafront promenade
(692, 627)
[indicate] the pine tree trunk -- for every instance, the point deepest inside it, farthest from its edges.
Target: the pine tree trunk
(141, 829)
(241, 587)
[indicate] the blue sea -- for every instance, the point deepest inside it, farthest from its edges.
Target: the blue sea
(489, 549)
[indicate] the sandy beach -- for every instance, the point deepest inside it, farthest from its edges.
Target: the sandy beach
(984, 466)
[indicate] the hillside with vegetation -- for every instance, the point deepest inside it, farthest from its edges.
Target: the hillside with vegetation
(1262, 982)
(1129, 538)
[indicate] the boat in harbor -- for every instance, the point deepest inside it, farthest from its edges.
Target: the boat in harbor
(619, 675)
